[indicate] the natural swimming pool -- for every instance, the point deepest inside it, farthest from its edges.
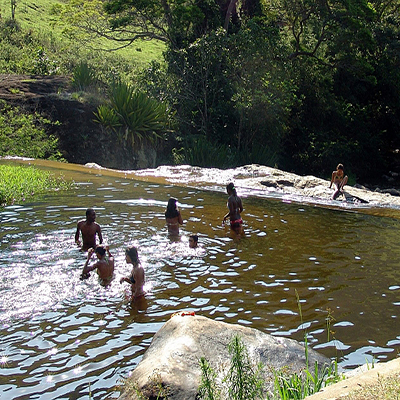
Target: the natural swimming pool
(62, 337)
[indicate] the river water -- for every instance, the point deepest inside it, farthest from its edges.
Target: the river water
(62, 338)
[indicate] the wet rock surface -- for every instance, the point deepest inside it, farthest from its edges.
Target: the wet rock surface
(271, 182)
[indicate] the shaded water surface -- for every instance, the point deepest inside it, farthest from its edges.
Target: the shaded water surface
(66, 338)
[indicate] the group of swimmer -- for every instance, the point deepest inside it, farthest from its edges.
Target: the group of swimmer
(104, 264)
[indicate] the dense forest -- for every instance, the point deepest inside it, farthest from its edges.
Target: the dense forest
(299, 84)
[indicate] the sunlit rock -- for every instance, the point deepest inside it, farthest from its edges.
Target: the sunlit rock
(259, 180)
(172, 360)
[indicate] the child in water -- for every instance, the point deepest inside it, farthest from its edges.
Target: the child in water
(104, 267)
(193, 241)
(136, 278)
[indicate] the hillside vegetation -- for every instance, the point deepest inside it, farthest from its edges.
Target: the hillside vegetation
(301, 85)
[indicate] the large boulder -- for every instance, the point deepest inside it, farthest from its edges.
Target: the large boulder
(172, 360)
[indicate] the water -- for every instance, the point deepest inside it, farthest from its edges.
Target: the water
(66, 338)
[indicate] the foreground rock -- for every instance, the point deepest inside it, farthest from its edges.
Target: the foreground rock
(173, 356)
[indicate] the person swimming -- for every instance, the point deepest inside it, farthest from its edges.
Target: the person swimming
(173, 216)
(235, 208)
(104, 267)
(193, 241)
(136, 278)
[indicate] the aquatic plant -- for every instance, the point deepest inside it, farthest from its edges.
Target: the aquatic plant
(20, 182)
(208, 389)
(242, 382)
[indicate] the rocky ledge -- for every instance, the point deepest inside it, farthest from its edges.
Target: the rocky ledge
(270, 182)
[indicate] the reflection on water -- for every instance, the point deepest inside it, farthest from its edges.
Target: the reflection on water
(64, 336)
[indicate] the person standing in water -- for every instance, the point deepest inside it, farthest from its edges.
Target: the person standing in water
(235, 208)
(136, 278)
(89, 228)
(173, 216)
(104, 267)
(339, 179)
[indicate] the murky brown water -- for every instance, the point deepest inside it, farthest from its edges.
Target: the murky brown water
(64, 338)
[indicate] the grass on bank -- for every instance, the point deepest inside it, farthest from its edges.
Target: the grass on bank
(387, 388)
(18, 183)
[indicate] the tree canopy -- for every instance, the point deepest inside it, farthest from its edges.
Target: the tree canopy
(302, 84)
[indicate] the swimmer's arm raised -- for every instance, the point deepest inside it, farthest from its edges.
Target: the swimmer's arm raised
(86, 268)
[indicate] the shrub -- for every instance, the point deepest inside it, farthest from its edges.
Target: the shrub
(140, 116)
(83, 76)
(24, 135)
(42, 64)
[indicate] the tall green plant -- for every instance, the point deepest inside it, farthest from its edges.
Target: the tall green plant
(83, 76)
(244, 380)
(199, 151)
(208, 389)
(298, 386)
(20, 182)
(139, 116)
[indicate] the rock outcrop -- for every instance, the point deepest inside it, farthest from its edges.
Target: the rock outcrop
(262, 181)
(172, 359)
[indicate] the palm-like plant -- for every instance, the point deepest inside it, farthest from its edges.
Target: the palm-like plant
(139, 115)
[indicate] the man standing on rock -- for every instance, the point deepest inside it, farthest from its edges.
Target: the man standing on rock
(88, 228)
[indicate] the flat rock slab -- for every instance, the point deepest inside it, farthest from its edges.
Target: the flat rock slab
(272, 182)
(173, 356)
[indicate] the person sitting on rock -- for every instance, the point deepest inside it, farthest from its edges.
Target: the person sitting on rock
(339, 179)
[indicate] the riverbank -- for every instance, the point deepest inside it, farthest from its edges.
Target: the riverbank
(364, 383)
